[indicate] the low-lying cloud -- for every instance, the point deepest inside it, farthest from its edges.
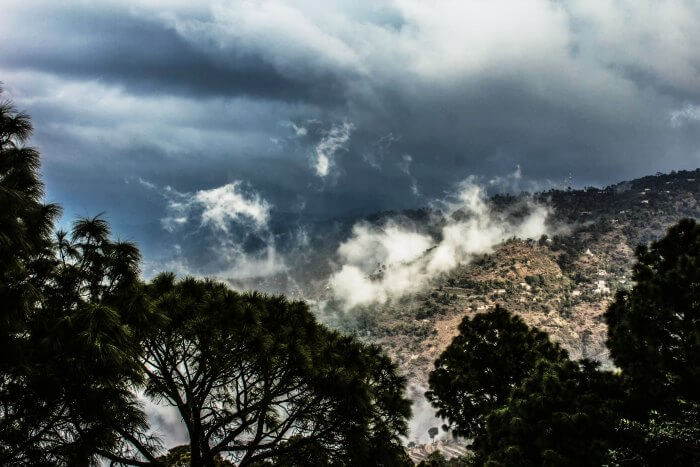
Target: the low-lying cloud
(380, 263)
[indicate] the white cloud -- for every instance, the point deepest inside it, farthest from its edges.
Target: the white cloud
(379, 264)
(227, 203)
(219, 210)
(388, 245)
(336, 139)
(216, 207)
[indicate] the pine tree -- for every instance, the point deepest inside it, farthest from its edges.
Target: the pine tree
(492, 354)
(654, 337)
(73, 314)
(654, 329)
(255, 378)
(563, 414)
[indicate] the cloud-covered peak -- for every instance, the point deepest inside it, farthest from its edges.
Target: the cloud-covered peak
(380, 263)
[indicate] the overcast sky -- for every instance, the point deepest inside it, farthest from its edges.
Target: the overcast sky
(175, 116)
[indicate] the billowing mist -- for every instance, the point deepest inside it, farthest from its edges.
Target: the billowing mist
(382, 262)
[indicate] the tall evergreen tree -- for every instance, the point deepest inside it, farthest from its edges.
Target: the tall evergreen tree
(490, 356)
(654, 337)
(25, 250)
(73, 395)
(71, 319)
(654, 329)
(563, 414)
(26, 224)
(256, 377)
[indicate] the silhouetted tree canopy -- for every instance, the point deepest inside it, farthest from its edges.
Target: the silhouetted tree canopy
(436, 459)
(654, 329)
(25, 247)
(180, 456)
(71, 318)
(255, 377)
(563, 414)
(491, 355)
(654, 337)
(659, 439)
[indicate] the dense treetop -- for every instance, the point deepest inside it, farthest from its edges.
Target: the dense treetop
(255, 378)
(654, 329)
(490, 356)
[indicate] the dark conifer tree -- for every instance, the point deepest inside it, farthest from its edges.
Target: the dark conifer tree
(563, 414)
(26, 224)
(255, 378)
(654, 329)
(492, 354)
(71, 319)
(25, 251)
(654, 337)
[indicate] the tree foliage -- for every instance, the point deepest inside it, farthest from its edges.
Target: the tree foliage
(563, 414)
(654, 337)
(436, 459)
(180, 456)
(71, 393)
(69, 311)
(659, 439)
(654, 329)
(25, 230)
(571, 413)
(256, 377)
(491, 355)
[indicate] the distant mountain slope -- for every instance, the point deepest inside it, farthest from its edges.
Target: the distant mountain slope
(561, 284)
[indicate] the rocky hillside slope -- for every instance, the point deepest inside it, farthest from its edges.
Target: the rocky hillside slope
(561, 284)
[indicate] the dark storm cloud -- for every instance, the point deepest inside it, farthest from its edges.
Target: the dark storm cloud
(336, 110)
(146, 56)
